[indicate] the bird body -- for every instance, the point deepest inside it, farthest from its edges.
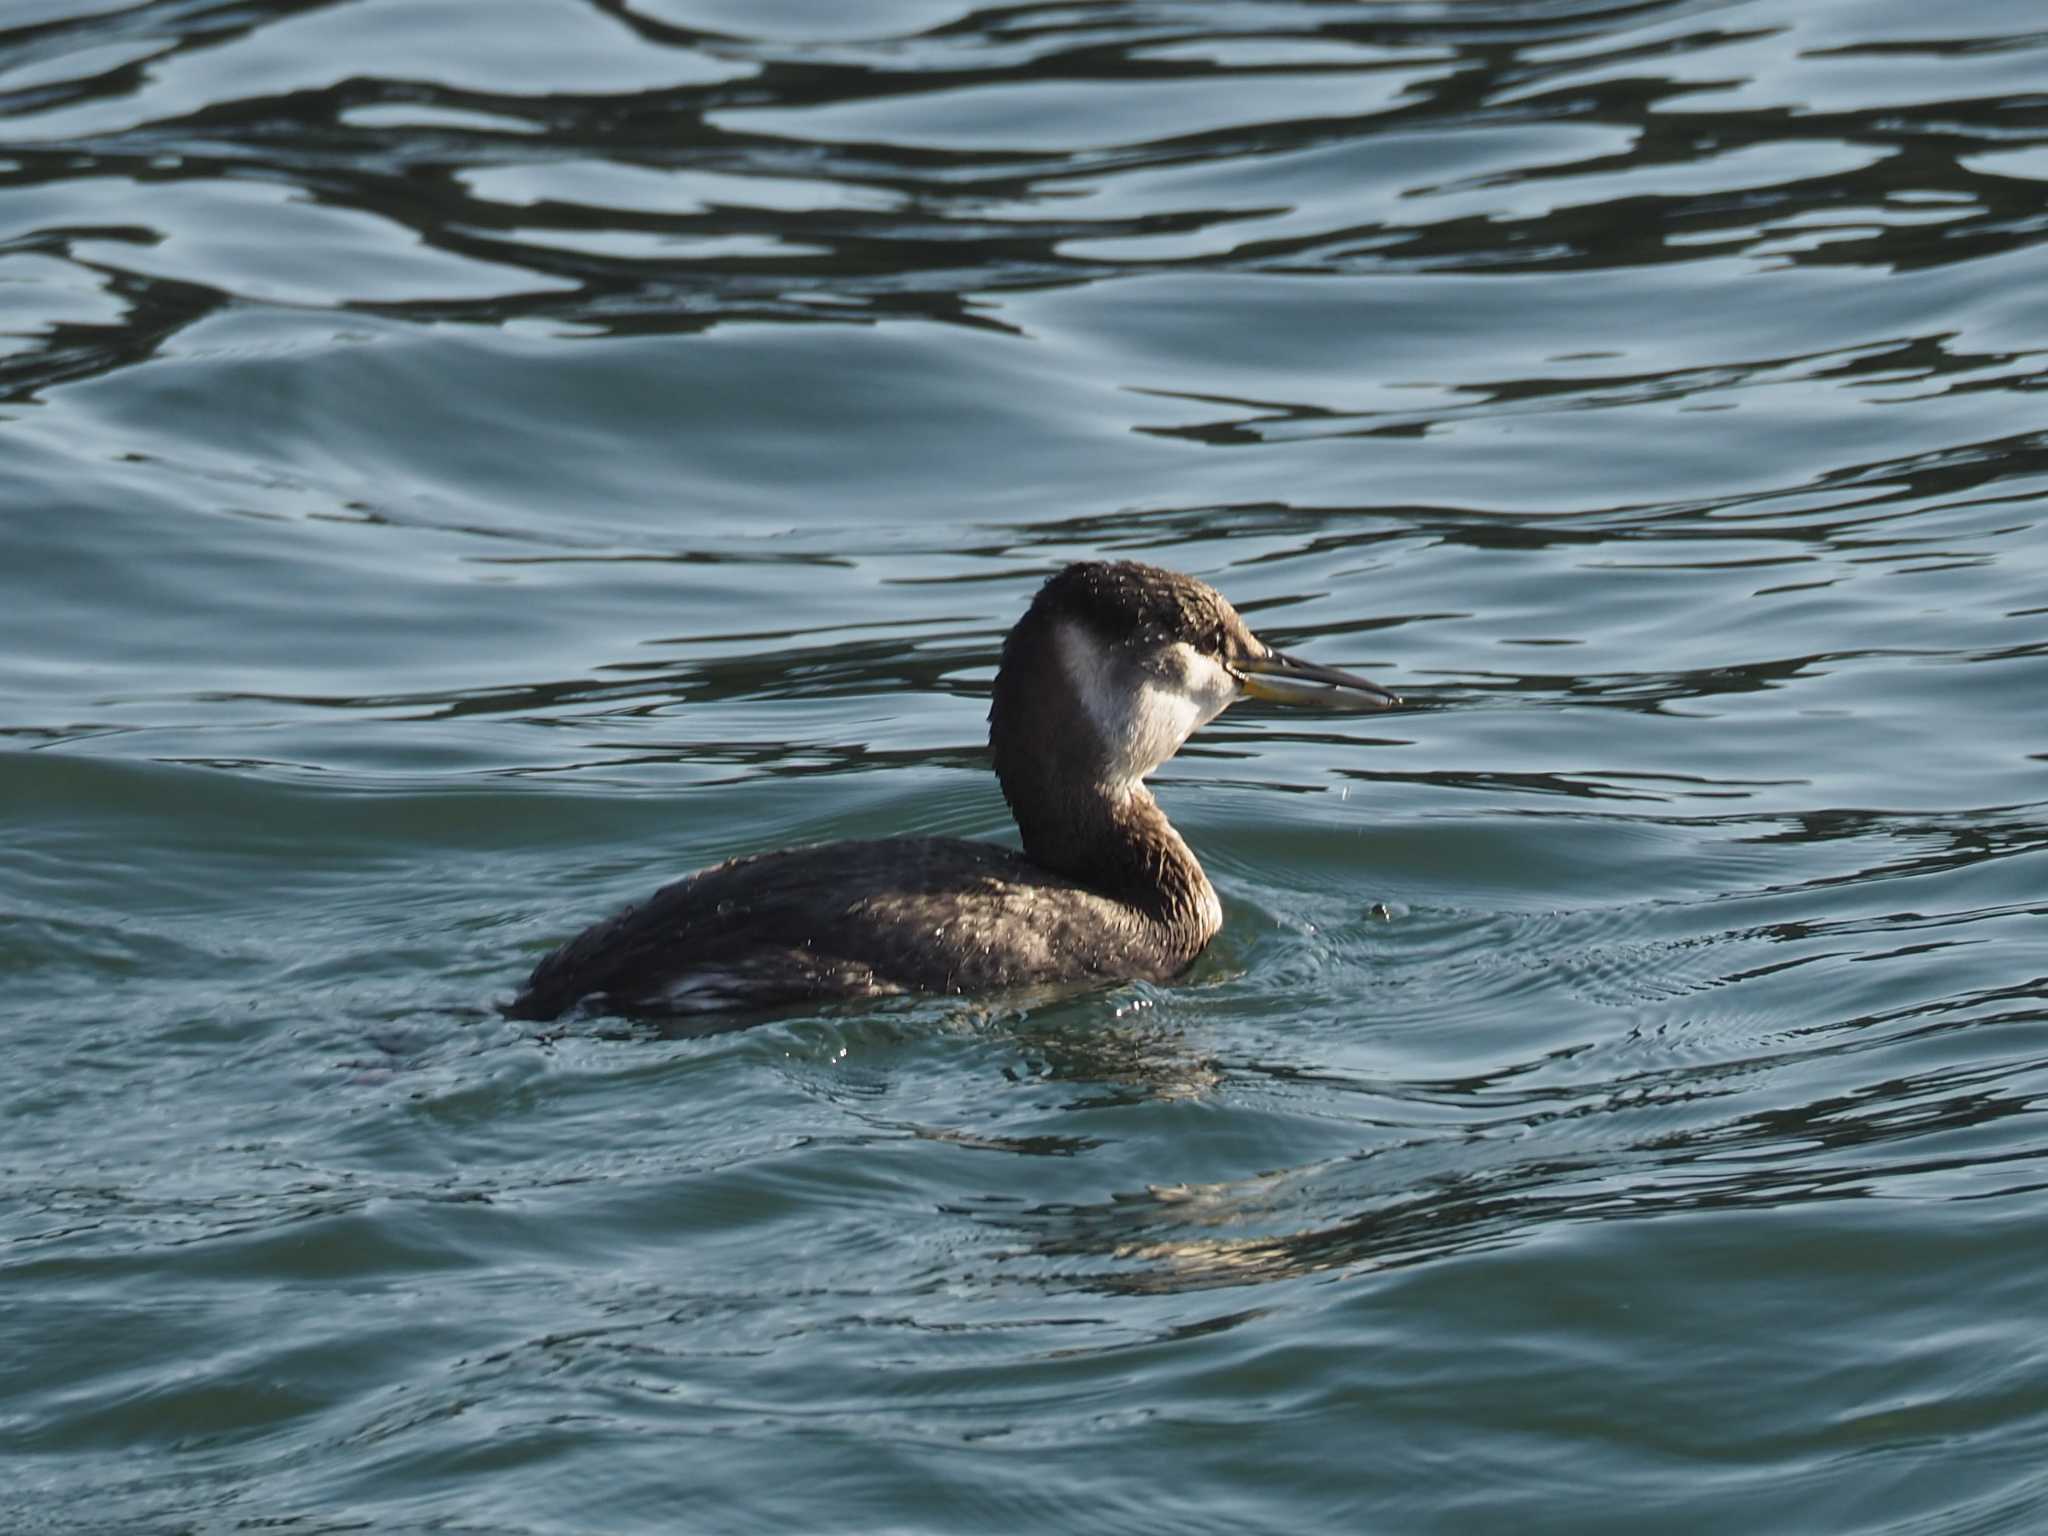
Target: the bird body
(918, 914)
(1105, 676)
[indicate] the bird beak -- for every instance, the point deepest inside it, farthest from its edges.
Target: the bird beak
(1281, 679)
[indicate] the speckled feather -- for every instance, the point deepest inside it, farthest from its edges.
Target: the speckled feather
(840, 920)
(1138, 606)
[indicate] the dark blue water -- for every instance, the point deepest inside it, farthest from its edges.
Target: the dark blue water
(462, 466)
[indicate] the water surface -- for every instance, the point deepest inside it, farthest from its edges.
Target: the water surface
(459, 476)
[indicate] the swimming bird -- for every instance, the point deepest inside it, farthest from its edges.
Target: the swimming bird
(1110, 670)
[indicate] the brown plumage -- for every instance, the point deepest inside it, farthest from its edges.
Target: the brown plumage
(1100, 682)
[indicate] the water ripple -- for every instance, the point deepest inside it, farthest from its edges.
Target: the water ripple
(464, 475)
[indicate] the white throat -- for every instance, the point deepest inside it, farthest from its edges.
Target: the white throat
(1143, 708)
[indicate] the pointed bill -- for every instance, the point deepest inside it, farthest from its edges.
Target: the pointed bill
(1280, 679)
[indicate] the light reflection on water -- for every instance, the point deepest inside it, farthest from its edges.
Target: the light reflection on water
(462, 475)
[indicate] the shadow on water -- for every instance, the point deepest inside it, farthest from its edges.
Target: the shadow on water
(1633, 1128)
(1437, 1198)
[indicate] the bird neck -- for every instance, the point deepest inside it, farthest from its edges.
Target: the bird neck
(1081, 818)
(1116, 840)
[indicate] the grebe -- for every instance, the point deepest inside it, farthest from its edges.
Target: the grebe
(1102, 680)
